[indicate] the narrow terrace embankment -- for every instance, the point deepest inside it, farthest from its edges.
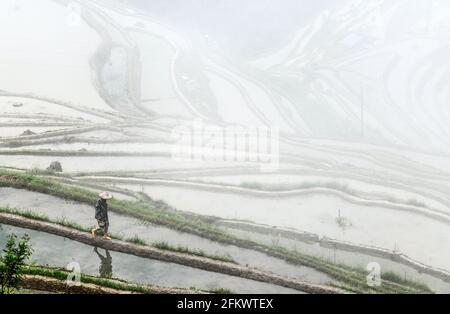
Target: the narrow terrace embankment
(49, 284)
(349, 195)
(167, 256)
(308, 237)
(46, 284)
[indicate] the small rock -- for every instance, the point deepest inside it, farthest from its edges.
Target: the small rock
(27, 133)
(55, 166)
(17, 104)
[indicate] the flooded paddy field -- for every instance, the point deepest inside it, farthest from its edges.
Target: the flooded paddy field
(318, 213)
(131, 268)
(362, 159)
(128, 227)
(352, 257)
(16, 131)
(98, 163)
(19, 105)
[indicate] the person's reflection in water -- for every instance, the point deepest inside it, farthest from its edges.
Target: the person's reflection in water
(105, 268)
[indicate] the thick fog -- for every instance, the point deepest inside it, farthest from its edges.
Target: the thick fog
(321, 127)
(330, 58)
(243, 29)
(357, 70)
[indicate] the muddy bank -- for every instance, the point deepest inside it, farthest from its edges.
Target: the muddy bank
(172, 257)
(48, 284)
(58, 286)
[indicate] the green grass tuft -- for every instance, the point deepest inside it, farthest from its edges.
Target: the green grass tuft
(136, 240)
(163, 245)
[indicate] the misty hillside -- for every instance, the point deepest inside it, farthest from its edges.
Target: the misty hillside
(357, 89)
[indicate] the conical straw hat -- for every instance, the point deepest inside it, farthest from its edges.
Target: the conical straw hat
(105, 195)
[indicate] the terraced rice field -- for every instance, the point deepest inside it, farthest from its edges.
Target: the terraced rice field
(338, 200)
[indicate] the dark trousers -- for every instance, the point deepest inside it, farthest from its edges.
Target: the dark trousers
(103, 225)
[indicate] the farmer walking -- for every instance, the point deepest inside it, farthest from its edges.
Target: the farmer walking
(101, 214)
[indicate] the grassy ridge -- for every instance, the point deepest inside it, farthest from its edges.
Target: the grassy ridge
(61, 274)
(135, 239)
(182, 249)
(113, 283)
(159, 213)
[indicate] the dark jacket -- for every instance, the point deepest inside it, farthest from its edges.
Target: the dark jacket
(101, 210)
